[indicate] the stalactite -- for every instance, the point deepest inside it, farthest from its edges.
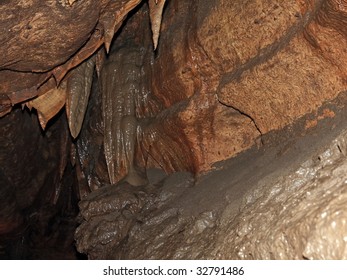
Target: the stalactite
(120, 84)
(79, 86)
(156, 12)
(49, 104)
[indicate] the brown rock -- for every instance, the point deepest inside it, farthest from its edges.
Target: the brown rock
(292, 75)
(226, 76)
(47, 32)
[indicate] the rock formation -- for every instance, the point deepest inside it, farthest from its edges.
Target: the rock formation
(208, 124)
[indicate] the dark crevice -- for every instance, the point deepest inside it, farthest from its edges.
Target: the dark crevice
(248, 116)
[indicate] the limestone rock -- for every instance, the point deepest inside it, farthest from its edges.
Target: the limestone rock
(235, 99)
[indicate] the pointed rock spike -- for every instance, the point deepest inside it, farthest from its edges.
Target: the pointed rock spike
(155, 13)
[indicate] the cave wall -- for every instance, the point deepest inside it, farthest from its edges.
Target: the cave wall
(239, 70)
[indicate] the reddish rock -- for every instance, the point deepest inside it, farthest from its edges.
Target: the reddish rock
(239, 71)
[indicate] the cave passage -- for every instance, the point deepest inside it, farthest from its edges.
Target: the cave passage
(173, 129)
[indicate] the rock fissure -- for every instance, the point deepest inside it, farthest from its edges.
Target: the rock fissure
(248, 116)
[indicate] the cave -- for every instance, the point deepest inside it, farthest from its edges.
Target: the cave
(173, 129)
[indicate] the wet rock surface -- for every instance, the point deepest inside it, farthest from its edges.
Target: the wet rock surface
(301, 216)
(284, 201)
(114, 216)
